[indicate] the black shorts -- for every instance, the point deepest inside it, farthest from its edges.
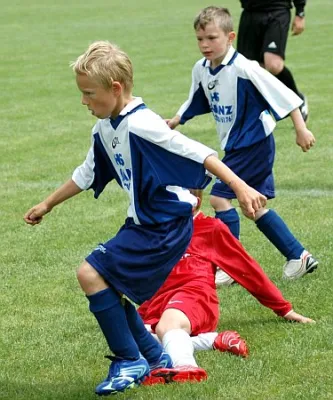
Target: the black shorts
(261, 32)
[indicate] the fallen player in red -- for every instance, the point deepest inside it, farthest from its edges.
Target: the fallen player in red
(184, 313)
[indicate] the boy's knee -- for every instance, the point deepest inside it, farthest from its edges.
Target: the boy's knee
(89, 279)
(220, 204)
(260, 213)
(172, 319)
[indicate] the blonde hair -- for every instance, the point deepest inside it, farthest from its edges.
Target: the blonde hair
(219, 15)
(105, 63)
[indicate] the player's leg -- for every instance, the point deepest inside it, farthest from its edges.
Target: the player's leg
(225, 341)
(255, 166)
(250, 35)
(148, 346)
(193, 308)
(174, 330)
(299, 261)
(274, 47)
(105, 304)
(225, 212)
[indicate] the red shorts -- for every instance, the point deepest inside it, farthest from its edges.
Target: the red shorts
(196, 299)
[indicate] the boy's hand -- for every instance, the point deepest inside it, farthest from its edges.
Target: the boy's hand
(294, 317)
(305, 139)
(250, 201)
(35, 214)
(173, 122)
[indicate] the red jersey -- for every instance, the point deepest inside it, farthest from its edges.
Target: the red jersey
(212, 245)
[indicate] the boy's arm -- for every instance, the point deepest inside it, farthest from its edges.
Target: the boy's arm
(228, 253)
(197, 102)
(249, 199)
(304, 137)
(282, 101)
(35, 214)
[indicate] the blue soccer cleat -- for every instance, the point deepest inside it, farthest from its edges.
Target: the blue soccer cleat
(123, 374)
(163, 362)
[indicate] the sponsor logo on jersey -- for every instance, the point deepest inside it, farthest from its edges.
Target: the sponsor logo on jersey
(115, 141)
(125, 174)
(221, 112)
(211, 85)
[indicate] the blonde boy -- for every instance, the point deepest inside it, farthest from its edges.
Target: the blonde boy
(134, 146)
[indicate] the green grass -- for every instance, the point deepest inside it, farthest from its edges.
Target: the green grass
(50, 345)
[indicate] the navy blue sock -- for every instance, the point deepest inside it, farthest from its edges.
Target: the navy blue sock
(148, 345)
(277, 232)
(110, 314)
(231, 219)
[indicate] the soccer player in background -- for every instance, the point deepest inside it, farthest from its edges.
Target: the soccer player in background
(134, 146)
(184, 312)
(243, 98)
(263, 34)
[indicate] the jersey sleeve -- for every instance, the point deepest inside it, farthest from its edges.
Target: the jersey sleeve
(229, 255)
(153, 129)
(281, 99)
(97, 170)
(163, 157)
(197, 102)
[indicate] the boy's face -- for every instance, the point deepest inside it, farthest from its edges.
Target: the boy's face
(102, 102)
(214, 43)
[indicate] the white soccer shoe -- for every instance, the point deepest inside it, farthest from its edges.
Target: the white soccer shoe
(222, 279)
(295, 269)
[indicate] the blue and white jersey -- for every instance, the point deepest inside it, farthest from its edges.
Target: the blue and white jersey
(243, 98)
(152, 163)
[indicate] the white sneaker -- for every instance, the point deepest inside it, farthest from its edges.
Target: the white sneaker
(222, 279)
(294, 269)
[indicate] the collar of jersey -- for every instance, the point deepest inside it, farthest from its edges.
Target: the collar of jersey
(130, 108)
(228, 60)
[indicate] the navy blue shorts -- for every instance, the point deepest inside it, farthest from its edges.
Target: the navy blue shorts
(137, 261)
(254, 165)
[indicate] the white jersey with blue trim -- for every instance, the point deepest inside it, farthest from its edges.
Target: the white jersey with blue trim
(243, 98)
(151, 162)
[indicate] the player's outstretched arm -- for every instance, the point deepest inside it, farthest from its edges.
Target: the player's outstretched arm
(249, 199)
(292, 316)
(35, 214)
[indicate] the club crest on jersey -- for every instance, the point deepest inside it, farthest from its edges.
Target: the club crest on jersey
(211, 85)
(115, 141)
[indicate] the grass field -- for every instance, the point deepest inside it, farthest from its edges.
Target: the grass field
(50, 345)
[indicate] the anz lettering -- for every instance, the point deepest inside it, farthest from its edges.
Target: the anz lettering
(125, 173)
(221, 113)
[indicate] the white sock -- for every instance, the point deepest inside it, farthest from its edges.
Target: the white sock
(178, 344)
(204, 341)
